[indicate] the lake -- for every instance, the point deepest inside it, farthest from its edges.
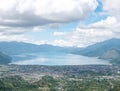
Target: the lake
(56, 59)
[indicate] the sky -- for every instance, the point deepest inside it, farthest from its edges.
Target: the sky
(76, 23)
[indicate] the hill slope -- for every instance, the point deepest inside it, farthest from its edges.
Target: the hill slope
(14, 48)
(108, 50)
(4, 59)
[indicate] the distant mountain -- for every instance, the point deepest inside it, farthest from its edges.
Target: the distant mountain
(20, 51)
(17, 47)
(108, 50)
(14, 48)
(4, 59)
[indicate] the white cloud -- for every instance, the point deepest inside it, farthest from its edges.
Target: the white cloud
(105, 23)
(112, 7)
(13, 38)
(20, 16)
(110, 22)
(59, 33)
(27, 13)
(58, 10)
(61, 42)
(85, 35)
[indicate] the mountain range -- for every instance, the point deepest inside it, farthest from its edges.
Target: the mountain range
(14, 48)
(108, 50)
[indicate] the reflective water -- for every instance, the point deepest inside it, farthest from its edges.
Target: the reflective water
(56, 59)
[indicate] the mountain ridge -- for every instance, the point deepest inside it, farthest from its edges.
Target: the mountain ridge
(108, 49)
(4, 59)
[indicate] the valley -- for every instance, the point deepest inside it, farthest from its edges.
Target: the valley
(103, 52)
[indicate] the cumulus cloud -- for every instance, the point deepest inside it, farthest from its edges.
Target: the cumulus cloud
(30, 13)
(13, 38)
(61, 42)
(112, 7)
(101, 30)
(20, 16)
(111, 23)
(85, 35)
(108, 23)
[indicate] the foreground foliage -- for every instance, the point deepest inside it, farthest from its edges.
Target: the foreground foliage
(48, 83)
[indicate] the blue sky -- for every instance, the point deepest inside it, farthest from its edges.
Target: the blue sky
(77, 23)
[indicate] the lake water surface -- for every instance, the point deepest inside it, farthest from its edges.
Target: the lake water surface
(56, 59)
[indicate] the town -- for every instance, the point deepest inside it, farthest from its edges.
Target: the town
(61, 78)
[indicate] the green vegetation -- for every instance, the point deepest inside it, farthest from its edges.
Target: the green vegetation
(16, 83)
(59, 78)
(48, 83)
